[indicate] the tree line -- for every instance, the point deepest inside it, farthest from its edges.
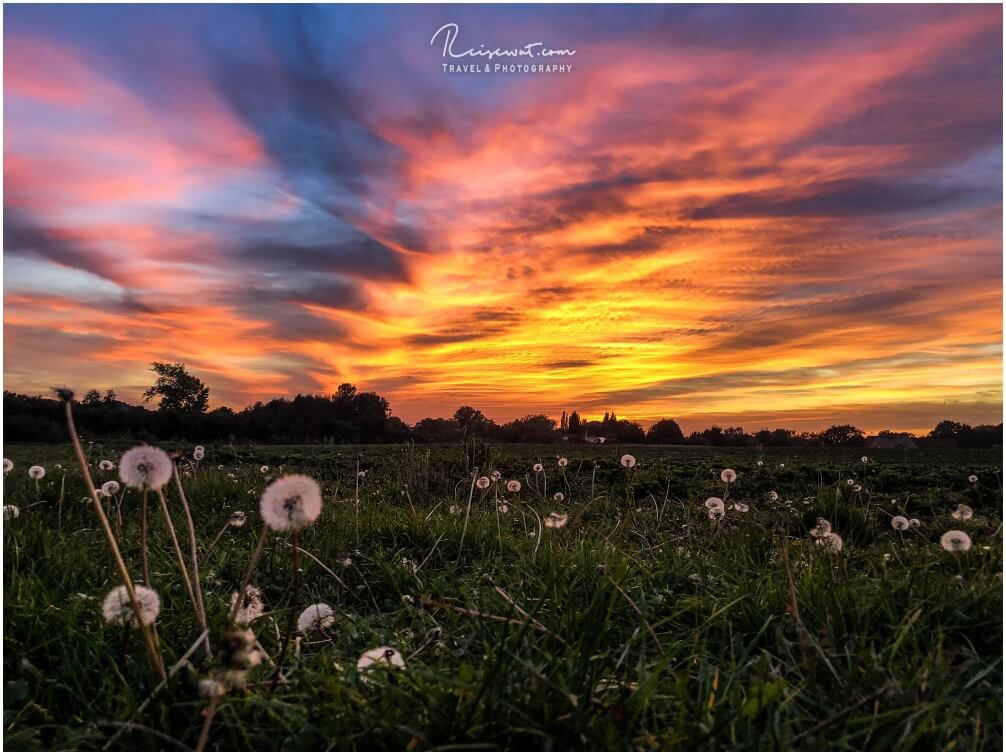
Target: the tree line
(352, 416)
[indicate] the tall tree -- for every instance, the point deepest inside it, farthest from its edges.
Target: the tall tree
(178, 390)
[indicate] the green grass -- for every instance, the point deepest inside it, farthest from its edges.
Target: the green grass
(648, 628)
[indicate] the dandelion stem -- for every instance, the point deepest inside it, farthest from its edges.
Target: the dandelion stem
(468, 511)
(178, 551)
(357, 502)
(256, 555)
(155, 655)
(204, 735)
(143, 541)
(200, 609)
(292, 621)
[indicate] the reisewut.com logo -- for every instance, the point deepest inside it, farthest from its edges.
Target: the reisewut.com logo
(484, 60)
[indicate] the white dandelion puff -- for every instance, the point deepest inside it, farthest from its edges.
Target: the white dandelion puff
(563, 462)
(513, 486)
(556, 521)
(864, 460)
(900, 523)
(962, 513)
(8, 465)
(728, 476)
(822, 529)
(211, 688)
(117, 608)
(10, 511)
(319, 616)
(382, 656)
(237, 519)
(773, 496)
(264, 469)
(291, 503)
(105, 465)
(495, 476)
(503, 508)
(832, 542)
(850, 482)
(857, 488)
(198, 453)
(955, 541)
(145, 467)
(741, 507)
(760, 462)
(251, 607)
(973, 478)
(715, 507)
(538, 468)
(482, 483)
(628, 461)
(36, 472)
(782, 466)
(110, 488)
(455, 509)
(559, 497)
(915, 522)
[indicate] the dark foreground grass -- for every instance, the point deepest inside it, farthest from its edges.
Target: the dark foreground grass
(640, 625)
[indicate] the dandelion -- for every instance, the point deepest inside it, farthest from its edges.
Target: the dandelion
(482, 483)
(264, 469)
(251, 607)
(857, 488)
(211, 688)
(495, 476)
(782, 466)
(822, 529)
(503, 508)
(728, 476)
(962, 513)
(741, 507)
(556, 521)
(382, 656)
(900, 523)
(145, 467)
(118, 609)
(8, 465)
(563, 462)
(628, 461)
(36, 472)
(973, 478)
(760, 462)
(715, 507)
(773, 496)
(832, 542)
(864, 460)
(455, 509)
(10, 511)
(110, 488)
(237, 519)
(345, 561)
(538, 468)
(291, 503)
(915, 522)
(559, 497)
(513, 486)
(955, 541)
(198, 453)
(850, 482)
(105, 465)
(319, 616)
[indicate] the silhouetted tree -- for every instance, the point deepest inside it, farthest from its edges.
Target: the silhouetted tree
(179, 391)
(842, 435)
(665, 431)
(574, 426)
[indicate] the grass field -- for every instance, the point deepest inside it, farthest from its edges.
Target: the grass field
(641, 624)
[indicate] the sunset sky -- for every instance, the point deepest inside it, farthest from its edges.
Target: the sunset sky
(776, 216)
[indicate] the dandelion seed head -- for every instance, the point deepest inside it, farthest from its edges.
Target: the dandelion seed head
(773, 496)
(973, 478)
(106, 466)
(110, 488)
(495, 476)
(822, 528)
(117, 608)
(864, 460)
(319, 616)
(503, 508)
(379, 657)
(455, 509)
(915, 522)
(36, 472)
(760, 462)
(715, 507)
(900, 523)
(559, 497)
(782, 466)
(198, 453)
(832, 542)
(211, 688)
(8, 465)
(955, 541)
(264, 469)
(291, 503)
(563, 462)
(145, 468)
(628, 461)
(482, 483)
(962, 513)
(538, 468)
(513, 486)
(251, 608)
(556, 521)
(741, 507)
(237, 519)
(10, 511)
(850, 482)
(728, 476)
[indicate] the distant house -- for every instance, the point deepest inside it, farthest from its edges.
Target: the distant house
(890, 441)
(594, 438)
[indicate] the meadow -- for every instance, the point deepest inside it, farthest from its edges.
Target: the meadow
(642, 619)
